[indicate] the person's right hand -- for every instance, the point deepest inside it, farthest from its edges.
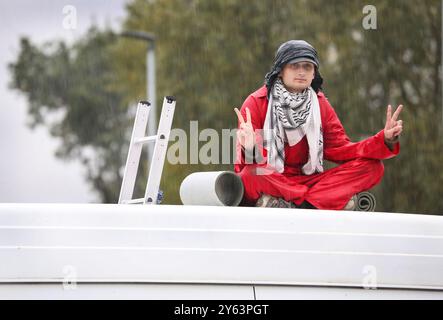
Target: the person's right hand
(245, 133)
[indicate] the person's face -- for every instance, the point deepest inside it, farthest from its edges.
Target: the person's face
(297, 76)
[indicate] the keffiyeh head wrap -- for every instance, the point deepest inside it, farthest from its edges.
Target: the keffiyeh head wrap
(291, 116)
(288, 52)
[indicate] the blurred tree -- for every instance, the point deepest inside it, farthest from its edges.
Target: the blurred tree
(389, 65)
(71, 91)
(212, 54)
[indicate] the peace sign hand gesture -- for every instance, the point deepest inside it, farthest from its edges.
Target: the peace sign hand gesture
(393, 128)
(245, 134)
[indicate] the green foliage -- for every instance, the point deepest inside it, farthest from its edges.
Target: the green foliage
(212, 54)
(75, 84)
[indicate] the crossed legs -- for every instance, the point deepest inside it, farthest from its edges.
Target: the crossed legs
(331, 189)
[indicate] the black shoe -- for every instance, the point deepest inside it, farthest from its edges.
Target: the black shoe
(306, 205)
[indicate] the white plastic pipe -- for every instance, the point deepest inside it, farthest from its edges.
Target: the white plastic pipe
(212, 188)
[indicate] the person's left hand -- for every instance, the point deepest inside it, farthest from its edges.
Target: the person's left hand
(393, 127)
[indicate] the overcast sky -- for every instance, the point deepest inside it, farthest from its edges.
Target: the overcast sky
(29, 172)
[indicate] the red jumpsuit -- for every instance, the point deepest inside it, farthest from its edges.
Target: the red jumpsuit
(360, 166)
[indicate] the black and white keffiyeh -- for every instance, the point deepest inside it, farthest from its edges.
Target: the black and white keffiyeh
(291, 116)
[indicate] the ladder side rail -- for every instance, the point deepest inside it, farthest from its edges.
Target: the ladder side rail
(134, 153)
(161, 145)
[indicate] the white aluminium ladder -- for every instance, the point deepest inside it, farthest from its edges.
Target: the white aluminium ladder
(138, 138)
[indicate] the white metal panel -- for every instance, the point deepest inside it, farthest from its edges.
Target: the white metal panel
(123, 291)
(201, 244)
(337, 293)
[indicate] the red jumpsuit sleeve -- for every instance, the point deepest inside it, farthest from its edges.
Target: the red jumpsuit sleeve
(339, 148)
(259, 153)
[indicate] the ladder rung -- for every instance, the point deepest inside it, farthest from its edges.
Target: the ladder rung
(139, 200)
(146, 139)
